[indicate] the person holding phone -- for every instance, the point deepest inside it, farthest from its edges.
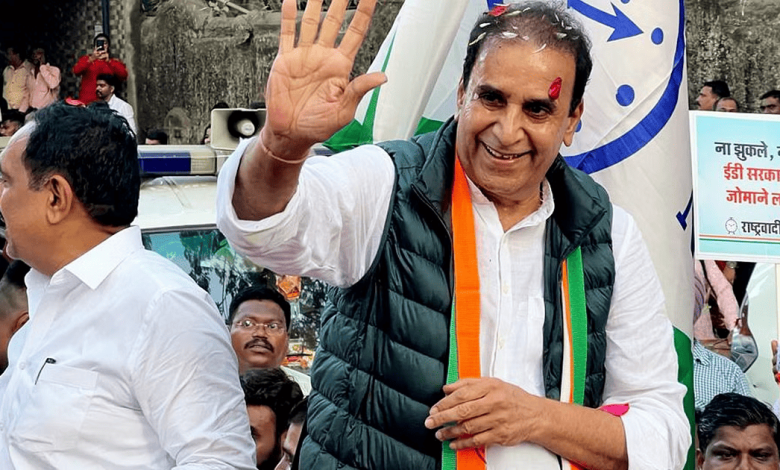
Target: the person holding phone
(97, 63)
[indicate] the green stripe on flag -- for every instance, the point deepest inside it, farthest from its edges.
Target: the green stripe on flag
(682, 344)
(427, 125)
(355, 133)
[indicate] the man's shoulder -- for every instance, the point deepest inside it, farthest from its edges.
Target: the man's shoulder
(119, 101)
(156, 274)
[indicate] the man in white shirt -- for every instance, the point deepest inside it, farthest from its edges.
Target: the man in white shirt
(104, 90)
(377, 222)
(125, 363)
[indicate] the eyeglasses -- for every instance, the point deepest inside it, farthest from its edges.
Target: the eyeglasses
(271, 329)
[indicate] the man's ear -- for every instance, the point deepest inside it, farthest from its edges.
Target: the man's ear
(699, 459)
(461, 98)
(61, 199)
(20, 321)
(574, 120)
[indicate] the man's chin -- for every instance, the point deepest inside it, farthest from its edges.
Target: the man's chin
(270, 463)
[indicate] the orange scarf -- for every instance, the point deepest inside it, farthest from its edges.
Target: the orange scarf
(464, 340)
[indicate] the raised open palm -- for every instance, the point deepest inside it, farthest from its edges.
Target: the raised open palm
(309, 94)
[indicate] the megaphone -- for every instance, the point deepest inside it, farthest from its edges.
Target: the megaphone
(229, 126)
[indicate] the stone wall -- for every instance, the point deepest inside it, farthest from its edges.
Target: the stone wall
(736, 41)
(188, 60)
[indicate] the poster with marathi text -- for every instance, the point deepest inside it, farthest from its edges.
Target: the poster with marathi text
(736, 186)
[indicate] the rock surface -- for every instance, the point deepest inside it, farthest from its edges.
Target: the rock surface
(736, 41)
(191, 60)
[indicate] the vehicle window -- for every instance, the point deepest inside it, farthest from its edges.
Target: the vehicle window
(206, 256)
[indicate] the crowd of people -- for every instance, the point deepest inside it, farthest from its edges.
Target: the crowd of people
(31, 83)
(715, 95)
(490, 307)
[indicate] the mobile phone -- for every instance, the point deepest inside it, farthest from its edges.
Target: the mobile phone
(101, 44)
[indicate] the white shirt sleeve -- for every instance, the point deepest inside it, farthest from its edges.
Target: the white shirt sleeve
(332, 226)
(190, 398)
(641, 362)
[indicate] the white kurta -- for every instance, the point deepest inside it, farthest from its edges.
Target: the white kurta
(332, 227)
(125, 363)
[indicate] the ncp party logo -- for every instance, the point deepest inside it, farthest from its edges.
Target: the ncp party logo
(639, 54)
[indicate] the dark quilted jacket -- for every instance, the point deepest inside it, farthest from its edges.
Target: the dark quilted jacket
(384, 341)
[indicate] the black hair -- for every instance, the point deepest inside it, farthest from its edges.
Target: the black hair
(15, 273)
(726, 98)
(220, 105)
(733, 409)
(274, 389)
(539, 22)
(158, 135)
(771, 94)
(19, 49)
(94, 149)
(258, 293)
(298, 413)
(14, 115)
(719, 88)
(109, 78)
(13, 289)
(101, 35)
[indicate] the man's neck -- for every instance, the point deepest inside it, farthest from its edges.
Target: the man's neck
(512, 211)
(73, 245)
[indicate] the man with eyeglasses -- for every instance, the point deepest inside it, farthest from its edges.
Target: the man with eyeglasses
(259, 320)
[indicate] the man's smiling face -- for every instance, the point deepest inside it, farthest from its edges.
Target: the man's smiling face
(510, 128)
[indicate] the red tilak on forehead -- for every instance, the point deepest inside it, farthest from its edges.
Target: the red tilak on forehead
(555, 88)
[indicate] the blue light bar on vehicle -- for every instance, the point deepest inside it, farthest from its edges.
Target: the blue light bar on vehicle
(166, 160)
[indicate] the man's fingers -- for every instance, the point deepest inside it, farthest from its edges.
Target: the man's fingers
(354, 36)
(465, 429)
(471, 442)
(287, 34)
(452, 410)
(468, 383)
(362, 85)
(331, 25)
(310, 23)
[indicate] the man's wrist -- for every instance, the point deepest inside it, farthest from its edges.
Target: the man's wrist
(538, 424)
(281, 148)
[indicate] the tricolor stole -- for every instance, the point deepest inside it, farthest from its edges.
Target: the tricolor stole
(464, 357)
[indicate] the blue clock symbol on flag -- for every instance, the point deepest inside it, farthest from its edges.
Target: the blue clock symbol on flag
(639, 52)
